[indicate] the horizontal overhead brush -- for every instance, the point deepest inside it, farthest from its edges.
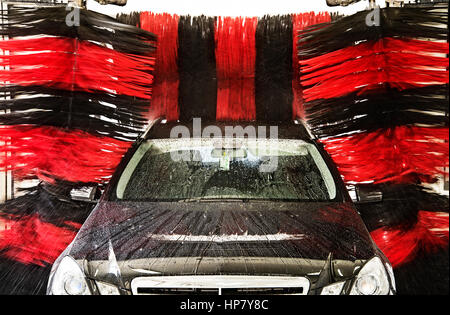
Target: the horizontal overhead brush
(226, 68)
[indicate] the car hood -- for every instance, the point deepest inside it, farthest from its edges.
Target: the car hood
(220, 237)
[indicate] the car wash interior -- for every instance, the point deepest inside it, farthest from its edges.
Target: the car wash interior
(84, 82)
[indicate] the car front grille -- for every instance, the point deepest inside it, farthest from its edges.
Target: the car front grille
(220, 285)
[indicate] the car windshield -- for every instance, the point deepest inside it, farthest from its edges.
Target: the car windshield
(211, 169)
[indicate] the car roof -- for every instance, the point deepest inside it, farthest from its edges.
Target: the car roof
(286, 130)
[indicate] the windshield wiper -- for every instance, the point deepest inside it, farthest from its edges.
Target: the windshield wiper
(209, 199)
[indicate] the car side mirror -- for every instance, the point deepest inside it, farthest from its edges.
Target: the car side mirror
(368, 194)
(85, 194)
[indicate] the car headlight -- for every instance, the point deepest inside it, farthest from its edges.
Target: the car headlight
(333, 289)
(68, 279)
(372, 279)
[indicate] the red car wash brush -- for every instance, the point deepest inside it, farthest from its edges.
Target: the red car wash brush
(401, 245)
(398, 64)
(49, 153)
(357, 77)
(391, 154)
(301, 22)
(80, 96)
(235, 63)
(31, 241)
(166, 84)
(377, 95)
(66, 63)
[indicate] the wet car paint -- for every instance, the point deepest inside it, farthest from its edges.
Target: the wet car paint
(174, 238)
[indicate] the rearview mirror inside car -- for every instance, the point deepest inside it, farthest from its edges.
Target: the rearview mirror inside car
(230, 153)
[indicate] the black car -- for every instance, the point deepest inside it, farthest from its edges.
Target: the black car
(227, 209)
